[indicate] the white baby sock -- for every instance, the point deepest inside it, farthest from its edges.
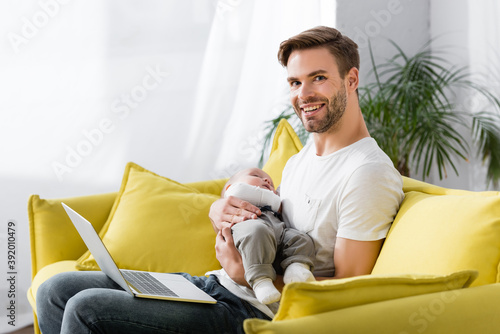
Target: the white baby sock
(298, 272)
(265, 291)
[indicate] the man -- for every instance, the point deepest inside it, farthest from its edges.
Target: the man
(341, 189)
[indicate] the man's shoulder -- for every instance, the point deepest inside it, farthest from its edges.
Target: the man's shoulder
(376, 170)
(367, 151)
(370, 165)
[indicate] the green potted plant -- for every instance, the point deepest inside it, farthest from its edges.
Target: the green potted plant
(411, 110)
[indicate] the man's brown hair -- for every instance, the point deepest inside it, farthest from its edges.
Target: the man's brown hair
(343, 49)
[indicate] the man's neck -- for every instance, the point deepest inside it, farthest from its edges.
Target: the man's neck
(351, 129)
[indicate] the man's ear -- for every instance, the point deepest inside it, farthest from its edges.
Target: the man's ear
(352, 81)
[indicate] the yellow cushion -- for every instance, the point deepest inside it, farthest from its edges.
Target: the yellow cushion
(439, 231)
(213, 187)
(463, 311)
(303, 299)
(286, 143)
(52, 235)
(157, 224)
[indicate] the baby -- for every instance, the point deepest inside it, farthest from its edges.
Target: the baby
(263, 240)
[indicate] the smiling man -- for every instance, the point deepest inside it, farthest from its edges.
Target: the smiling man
(341, 189)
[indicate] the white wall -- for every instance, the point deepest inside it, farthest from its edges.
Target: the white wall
(450, 32)
(466, 29)
(406, 22)
(472, 35)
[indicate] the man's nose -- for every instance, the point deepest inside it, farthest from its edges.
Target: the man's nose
(306, 91)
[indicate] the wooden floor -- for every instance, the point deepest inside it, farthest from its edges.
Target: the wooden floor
(25, 330)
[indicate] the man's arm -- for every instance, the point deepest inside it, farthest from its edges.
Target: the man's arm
(229, 257)
(354, 258)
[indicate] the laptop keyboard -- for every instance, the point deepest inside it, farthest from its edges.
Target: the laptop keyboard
(147, 284)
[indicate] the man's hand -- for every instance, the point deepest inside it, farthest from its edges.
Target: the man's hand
(226, 212)
(229, 257)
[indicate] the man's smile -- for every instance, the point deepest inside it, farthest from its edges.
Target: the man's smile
(311, 109)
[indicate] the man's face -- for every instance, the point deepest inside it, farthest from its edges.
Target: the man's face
(318, 94)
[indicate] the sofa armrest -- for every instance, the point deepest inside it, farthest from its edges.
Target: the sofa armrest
(53, 237)
(470, 310)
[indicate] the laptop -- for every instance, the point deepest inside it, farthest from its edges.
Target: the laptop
(141, 284)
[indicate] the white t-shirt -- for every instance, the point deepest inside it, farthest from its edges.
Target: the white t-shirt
(353, 193)
(321, 196)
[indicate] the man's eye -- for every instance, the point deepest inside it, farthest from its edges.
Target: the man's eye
(320, 78)
(294, 83)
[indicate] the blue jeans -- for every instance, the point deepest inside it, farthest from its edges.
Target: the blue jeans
(90, 302)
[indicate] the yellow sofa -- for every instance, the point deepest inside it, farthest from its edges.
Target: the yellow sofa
(438, 270)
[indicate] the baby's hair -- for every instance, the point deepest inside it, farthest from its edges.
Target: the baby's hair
(229, 182)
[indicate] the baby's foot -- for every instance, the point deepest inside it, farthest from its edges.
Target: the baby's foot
(298, 272)
(265, 291)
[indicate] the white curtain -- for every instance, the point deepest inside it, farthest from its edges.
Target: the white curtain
(179, 87)
(242, 84)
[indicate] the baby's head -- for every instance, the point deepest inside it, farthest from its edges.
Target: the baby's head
(252, 176)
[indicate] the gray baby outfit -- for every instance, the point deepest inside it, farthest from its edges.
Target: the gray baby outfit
(266, 244)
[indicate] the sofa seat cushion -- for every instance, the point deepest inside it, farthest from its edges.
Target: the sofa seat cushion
(462, 311)
(307, 298)
(439, 231)
(44, 274)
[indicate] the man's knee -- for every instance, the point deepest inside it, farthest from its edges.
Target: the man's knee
(51, 288)
(58, 289)
(89, 306)
(82, 301)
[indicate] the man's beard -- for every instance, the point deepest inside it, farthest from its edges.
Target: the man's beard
(334, 112)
